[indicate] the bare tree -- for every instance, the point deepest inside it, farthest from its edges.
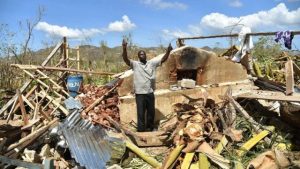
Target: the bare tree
(19, 51)
(30, 24)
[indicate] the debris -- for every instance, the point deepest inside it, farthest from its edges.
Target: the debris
(187, 160)
(269, 159)
(143, 155)
(200, 132)
(214, 156)
(172, 157)
(250, 143)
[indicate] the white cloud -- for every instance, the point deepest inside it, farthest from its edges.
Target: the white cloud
(161, 4)
(68, 32)
(75, 33)
(168, 34)
(277, 18)
(235, 3)
(121, 26)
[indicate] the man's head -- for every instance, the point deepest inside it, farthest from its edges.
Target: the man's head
(142, 56)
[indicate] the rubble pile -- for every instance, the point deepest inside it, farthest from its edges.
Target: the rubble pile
(209, 135)
(42, 126)
(107, 107)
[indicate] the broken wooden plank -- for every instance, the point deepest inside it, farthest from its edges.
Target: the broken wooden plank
(12, 100)
(53, 82)
(269, 95)
(32, 135)
(11, 110)
(27, 83)
(28, 102)
(26, 96)
(256, 126)
(296, 69)
(289, 77)
(64, 110)
(22, 107)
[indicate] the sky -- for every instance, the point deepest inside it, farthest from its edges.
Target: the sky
(150, 22)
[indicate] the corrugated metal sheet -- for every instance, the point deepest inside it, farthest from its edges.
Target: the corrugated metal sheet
(87, 143)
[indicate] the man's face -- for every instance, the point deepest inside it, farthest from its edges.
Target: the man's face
(142, 56)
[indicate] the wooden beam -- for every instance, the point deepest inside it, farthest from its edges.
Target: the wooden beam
(78, 58)
(27, 83)
(53, 82)
(26, 96)
(11, 110)
(32, 135)
(12, 100)
(235, 35)
(289, 77)
(64, 110)
(269, 95)
(49, 57)
(34, 67)
(22, 107)
(296, 69)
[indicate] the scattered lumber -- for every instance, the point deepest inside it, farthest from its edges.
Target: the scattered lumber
(269, 95)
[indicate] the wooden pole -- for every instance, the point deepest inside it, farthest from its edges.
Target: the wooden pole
(22, 107)
(64, 57)
(235, 35)
(78, 58)
(289, 78)
(34, 67)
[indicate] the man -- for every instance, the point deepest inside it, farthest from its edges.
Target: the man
(144, 85)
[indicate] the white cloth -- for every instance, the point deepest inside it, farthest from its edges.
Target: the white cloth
(245, 44)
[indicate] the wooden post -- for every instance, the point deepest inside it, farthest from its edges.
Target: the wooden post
(22, 107)
(65, 53)
(78, 58)
(289, 77)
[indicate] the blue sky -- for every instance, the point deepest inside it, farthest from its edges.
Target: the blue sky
(151, 22)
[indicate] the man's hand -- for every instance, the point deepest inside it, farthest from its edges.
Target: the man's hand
(165, 57)
(124, 54)
(170, 48)
(124, 43)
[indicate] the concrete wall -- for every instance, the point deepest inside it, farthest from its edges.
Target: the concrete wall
(165, 98)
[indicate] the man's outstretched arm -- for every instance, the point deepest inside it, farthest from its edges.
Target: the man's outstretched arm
(124, 54)
(165, 57)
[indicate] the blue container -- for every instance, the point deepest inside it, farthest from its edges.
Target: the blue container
(73, 84)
